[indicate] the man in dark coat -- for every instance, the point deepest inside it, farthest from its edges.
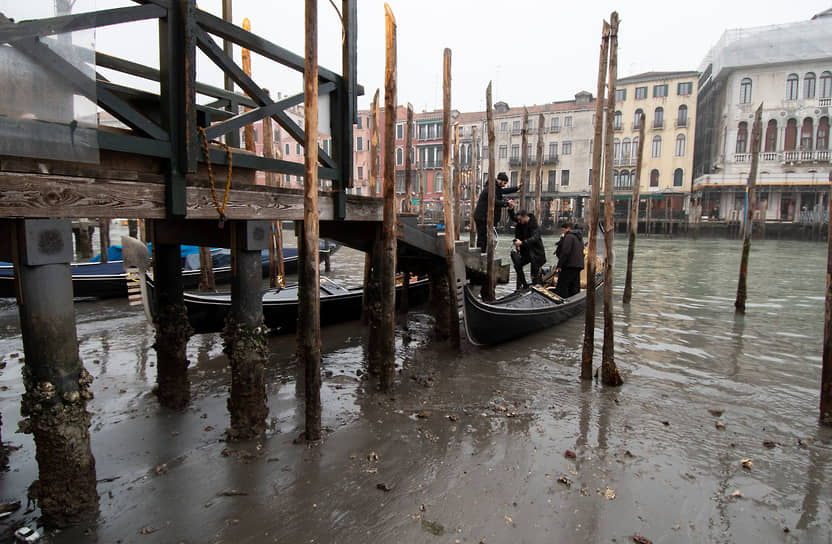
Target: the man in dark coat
(570, 253)
(481, 211)
(528, 247)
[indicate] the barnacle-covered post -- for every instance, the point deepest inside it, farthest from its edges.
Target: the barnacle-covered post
(56, 384)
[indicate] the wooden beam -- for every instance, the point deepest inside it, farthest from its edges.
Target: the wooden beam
(524, 157)
(756, 137)
(633, 223)
(473, 193)
(456, 182)
(374, 144)
(408, 161)
(450, 216)
(491, 281)
(538, 188)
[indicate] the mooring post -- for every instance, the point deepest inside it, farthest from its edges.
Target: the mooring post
(276, 269)
(368, 258)
(472, 190)
(490, 286)
(133, 228)
(450, 216)
(244, 337)
(440, 308)
(309, 295)
(422, 182)
(756, 136)
(408, 161)
(54, 404)
(594, 210)
(84, 239)
(387, 327)
(609, 372)
(172, 328)
(633, 214)
(538, 188)
(104, 238)
(524, 157)
(826, 372)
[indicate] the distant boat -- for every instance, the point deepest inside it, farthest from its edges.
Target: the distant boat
(109, 280)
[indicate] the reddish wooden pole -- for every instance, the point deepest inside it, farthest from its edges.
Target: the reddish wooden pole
(450, 217)
(491, 278)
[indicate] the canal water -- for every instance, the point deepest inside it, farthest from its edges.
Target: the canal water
(488, 445)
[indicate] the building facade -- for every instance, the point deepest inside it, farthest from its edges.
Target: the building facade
(788, 69)
(667, 102)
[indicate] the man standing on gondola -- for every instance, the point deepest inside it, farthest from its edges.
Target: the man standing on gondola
(481, 211)
(570, 254)
(528, 247)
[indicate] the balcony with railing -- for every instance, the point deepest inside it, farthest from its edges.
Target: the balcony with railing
(624, 161)
(430, 164)
(551, 158)
(555, 129)
(681, 123)
(658, 124)
(800, 155)
(824, 102)
(517, 161)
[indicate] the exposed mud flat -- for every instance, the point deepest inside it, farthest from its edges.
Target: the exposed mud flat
(498, 445)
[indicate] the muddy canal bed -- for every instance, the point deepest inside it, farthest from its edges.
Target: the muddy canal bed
(496, 445)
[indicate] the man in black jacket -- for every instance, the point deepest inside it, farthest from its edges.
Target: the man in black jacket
(481, 211)
(570, 253)
(528, 247)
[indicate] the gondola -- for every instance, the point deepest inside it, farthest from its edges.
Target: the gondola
(520, 313)
(207, 311)
(109, 280)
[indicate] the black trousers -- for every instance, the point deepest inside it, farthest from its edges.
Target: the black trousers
(569, 282)
(521, 259)
(482, 235)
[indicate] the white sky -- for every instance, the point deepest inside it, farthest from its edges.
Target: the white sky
(533, 50)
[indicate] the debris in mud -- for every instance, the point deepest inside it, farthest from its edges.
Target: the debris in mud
(372, 456)
(422, 414)
(719, 425)
(747, 464)
(452, 417)
(769, 444)
(609, 493)
(638, 539)
(628, 453)
(7, 508)
(715, 412)
(432, 527)
(565, 480)
(240, 455)
(161, 469)
(384, 487)
(666, 423)
(147, 530)
(425, 380)
(736, 494)
(232, 493)
(569, 454)
(208, 429)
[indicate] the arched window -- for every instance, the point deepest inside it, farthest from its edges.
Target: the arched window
(742, 138)
(635, 146)
(657, 146)
(791, 135)
(822, 142)
(678, 177)
(680, 145)
(637, 118)
(615, 179)
(625, 149)
(617, 121)
(809, 85)
(399, 156)
(437, 182)
(654, 178)
(826, 85)
(791, 86)
(745, 91)
(806, 134)
(616, 148)
(771, 136)
(658, 117)
(632, 177)
(682, 116)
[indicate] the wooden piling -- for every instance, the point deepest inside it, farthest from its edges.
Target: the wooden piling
(756, 136)
(408, 161)
(84, 239)
(206, 270)
(133, 228)
(309, 317)
(633, 223)
(524, 157)
(245, 341)
(374, 144)
(609, 372)
(472, 191)
(450, 216)
(488, 290)
(594, 205)
(538, 188)
(54, 403)
(382, 337)
(104, 238)
(422, 182)
(826, 370)
(248, 131)
(367, 304)
(456, 178)
(276, 267)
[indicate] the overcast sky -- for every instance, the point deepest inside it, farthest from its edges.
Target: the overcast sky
(533, 50)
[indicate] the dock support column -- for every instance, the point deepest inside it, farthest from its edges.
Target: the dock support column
(245, 340)
(56, 383)
(372, 306)
(440, 301)
(172, 328)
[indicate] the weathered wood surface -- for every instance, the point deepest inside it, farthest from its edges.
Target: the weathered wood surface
(756, 136)
(594, 204)
(457, 188)
(488, 290)
(609, 372)
(538, 188)
(408, 161)
(373, 144)
(449, 201)
(472, 191)
(524, 157)
(633, 214)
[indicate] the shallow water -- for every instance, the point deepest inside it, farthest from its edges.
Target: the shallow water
(472, 444)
